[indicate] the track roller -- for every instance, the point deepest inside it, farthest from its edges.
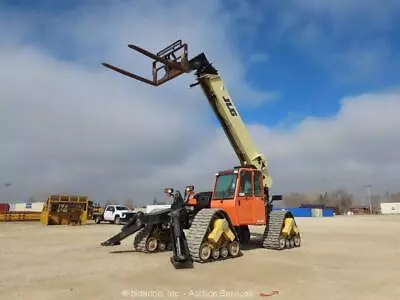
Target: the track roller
(234, 248)
(215, 254)
(224, 252)
(205, 252)
(297, 240)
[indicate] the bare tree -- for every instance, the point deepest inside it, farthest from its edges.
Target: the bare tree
(111, 202)
(395, 197)
(342, 199)
(376, 203)
(294, 199)
(129, 203)
(323, 199)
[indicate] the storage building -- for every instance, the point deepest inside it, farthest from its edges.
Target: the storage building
(390, 208)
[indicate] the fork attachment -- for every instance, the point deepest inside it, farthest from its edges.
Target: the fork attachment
(168, 63)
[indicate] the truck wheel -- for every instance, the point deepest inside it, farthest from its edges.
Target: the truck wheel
(117, 220)
(98, 220)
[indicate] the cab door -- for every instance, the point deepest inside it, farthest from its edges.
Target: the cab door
(244, 197)
(109, 213)
(258, 206)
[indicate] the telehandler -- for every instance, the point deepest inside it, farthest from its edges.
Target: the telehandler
(217, 222)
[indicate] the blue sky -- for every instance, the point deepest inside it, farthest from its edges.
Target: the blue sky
(308, 77)
(323, 53)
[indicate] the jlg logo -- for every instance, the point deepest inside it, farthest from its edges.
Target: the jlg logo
(230, 107)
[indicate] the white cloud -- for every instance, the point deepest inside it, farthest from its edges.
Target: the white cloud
(357, 146)
(73, 126)
(68, 124)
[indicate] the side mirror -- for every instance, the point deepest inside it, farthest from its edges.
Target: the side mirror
(189, 188)
(276, 198)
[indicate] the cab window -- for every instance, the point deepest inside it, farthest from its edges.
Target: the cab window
(225, 186)
(258, 184)
(121, 208)
(245, 188)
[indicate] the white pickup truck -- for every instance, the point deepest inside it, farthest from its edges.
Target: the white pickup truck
(116, 214)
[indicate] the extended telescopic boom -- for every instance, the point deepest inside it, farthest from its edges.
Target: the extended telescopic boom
(217, 94)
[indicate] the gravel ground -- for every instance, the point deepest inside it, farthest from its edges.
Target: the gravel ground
(344, 257)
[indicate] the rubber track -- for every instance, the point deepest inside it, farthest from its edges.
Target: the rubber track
(141, 237)
(198, 230)
(139, 242)
(273, 229)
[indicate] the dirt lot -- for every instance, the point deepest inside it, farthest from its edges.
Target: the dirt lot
(354, 257)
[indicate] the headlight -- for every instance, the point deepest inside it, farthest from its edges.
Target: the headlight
(189, 188)
(168, 191)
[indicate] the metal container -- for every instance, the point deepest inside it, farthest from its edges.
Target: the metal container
(4, 207)
(298, 212)
(327, 212)
(12, 207)
(316, 212)
(35, 206)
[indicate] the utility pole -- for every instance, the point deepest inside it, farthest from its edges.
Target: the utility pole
(368, 186)
(9, 195)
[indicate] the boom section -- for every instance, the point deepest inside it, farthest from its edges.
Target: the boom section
(229, 118)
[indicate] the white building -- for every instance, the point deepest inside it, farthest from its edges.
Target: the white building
(390, 208)
(157, 207)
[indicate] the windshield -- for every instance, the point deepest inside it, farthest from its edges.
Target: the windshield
(225, 186)
(121, 208)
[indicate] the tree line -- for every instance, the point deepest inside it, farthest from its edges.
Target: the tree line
(339, 199)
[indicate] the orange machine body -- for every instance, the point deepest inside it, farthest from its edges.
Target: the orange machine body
(240, 193)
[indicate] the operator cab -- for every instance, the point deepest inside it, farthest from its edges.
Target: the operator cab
(240, 193)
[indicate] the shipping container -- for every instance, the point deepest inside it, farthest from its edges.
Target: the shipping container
(307, 205)
(298, 212)
(4, 207)
(35, 206)
(327, 212)
(12, 207)
(309, 212)
(316, 212)
(390, 208)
